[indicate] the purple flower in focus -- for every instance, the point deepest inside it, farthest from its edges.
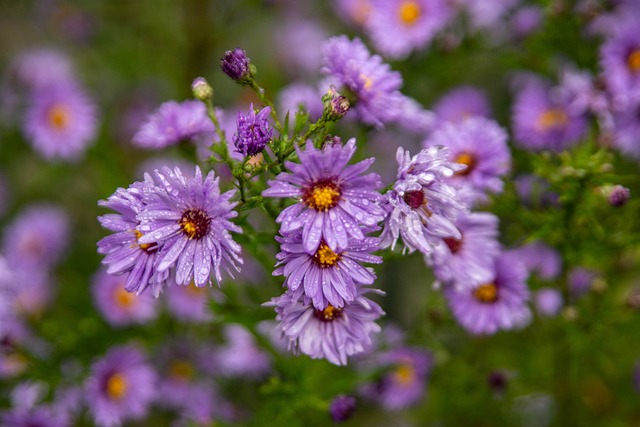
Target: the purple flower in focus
(405, 382)
(253, 132)
(620, 61)
(468, 261)
(190, 220)
(495, 305)
(326, 277)
(235, 64)
(123, 251)
(41, 68)
(189, 303)
(461, 103)
(543, 123)
(332, 333)
(481, 145)
(121, 387)
(374, 87)
(37, 238)
(398, 27)
(119, 307)
(422, 205)
(334, 199)
(172, 123)
(61, 122)
(548, 301)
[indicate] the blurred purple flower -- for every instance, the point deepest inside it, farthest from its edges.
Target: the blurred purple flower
(172, 123)
(548, 302)
(299, 95)
(332, 333)
(121, 387)
(526, 20)
(620, 61)
(298, 42)
(468, 261)
(421, 206)
(326, 277)
(374, 87)
(334, 199)
(342, 408)
(580, 281)
(241, 356)
(356, 12)
(61, 122)
(461, 103)
(118, 306)
(540, 259)
(190, 220)
(189, 303)
(495, 305)
(398, 27)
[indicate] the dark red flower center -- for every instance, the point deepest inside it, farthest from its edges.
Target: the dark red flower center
(414, 199)
(195, 223)
(487, 293)
(453, 244)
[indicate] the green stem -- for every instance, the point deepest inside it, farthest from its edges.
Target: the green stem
(266, 101)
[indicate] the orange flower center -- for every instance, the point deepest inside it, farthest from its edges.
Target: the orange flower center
(181, 370)
(633, 61)
(487, 293)
(325, 257)
(117, 386)
(405, 374)
(58, 117)
(329, 314)
(409, 12)
(123, 298)
(552, 118)
(322, 196)
(466, 159)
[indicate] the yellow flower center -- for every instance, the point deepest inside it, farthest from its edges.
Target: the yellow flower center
(409, 12)
(487, 293)
(194, 223)
(552, 118)
(329, 313)
(181, 370)
(58, 117)
(325, 257)
(633, 61)
(466, 159)
(322, 196)
(145, 246)
(117, 386)
(405, 374)
(367, 81)
(123, 298)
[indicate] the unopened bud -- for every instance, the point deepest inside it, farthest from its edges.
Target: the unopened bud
(342, 407)
(335, 105)
(236, 65)
(201, 88)
(617, 195)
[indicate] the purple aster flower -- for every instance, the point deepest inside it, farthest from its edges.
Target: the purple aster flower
(398, 27)
(172, 123)
(620, 61)
(342, 407)
(356, 12)
(374, 87)
(236, 65)
(414, 118)
(61, 122)
(326, 277)
(481, 145)
(461, 103)
(468, 261)
(123, 251)
(334, 199)
(422, 206)
(405, 380)
(331, 333)
(540, 259)
(487, 14)
(498, 304)
(548, 302)
(42, 416)
(298, 42)
(189, 303)
(626, 127)
(121, 386)
(241, 356)
(37, 238)
(41, 68)
(190, 219)
(543, 123)
(32, 290)
(299, 95)
(526, 20)
(580, 281)
(119, 307)
(253, 132)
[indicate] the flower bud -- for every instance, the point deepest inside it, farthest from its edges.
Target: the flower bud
(335, 105)
(201, 88)
(236, 65)
(618, 195)
(342, 407)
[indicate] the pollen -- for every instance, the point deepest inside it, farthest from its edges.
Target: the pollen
(123, 298)
(144, 246)
(117, 386)
(194, 223)
(409, 12)
(487, 293)
(58, 116)
(322, 196)
(405, 374)
(553, 118)
(367, 81)
(325, 257)
(329, 314)
(467, 159)
(633, 61)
